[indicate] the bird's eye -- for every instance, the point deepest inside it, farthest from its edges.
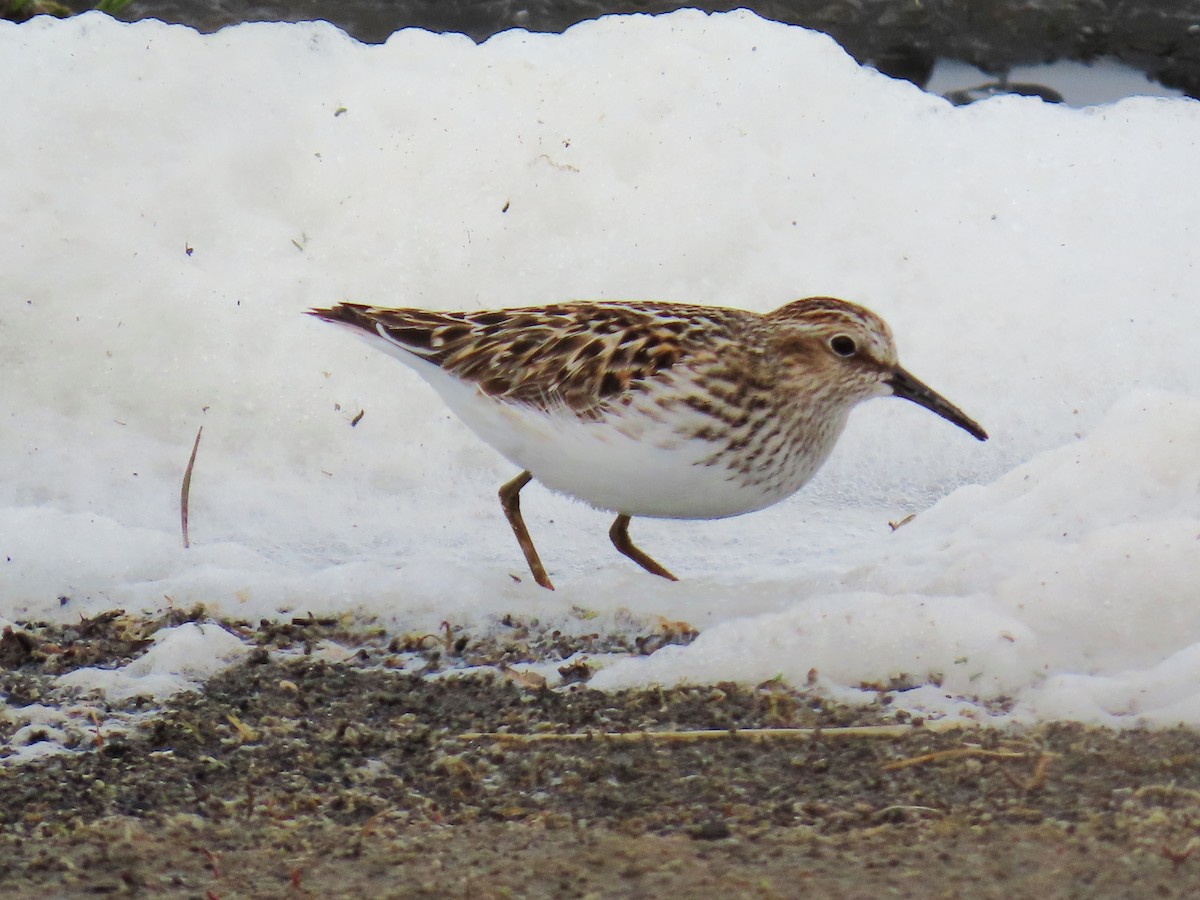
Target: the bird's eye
(843, 345)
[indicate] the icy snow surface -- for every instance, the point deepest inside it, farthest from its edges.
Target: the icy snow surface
(173, 201)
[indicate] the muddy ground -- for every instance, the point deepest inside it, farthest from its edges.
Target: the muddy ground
(294, 776)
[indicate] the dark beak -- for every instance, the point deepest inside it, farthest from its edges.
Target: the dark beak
(904, 385)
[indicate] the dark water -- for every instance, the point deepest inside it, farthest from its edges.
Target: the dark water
(900, 37)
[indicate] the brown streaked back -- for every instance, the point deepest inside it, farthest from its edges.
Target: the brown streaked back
(583, 356)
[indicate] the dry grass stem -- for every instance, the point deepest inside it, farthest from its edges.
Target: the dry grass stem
(889, 732)
(187, 487)
(956, 753)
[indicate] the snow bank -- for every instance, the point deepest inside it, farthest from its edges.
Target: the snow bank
(174, 201)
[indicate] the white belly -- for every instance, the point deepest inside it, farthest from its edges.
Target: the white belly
(642, 476)
(633, 465)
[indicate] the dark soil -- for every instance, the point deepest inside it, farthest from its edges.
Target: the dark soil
(291, 776)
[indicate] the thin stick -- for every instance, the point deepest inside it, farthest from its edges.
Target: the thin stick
(956, 753)
(187, 486)
(633, 737)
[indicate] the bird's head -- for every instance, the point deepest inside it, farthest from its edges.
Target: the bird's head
(841, 353)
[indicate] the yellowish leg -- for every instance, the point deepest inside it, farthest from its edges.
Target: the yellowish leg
(510, 499)
(620, 538)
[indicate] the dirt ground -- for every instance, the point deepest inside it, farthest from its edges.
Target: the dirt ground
(291, 776)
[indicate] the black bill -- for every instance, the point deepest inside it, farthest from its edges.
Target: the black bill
(904, 385)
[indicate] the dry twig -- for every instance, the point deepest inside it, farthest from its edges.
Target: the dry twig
(187, 487)
(955, 753)
(716, 734)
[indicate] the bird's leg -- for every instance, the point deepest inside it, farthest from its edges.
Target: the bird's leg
(510, 499)
(620, 538)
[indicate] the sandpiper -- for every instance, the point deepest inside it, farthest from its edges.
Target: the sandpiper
(652, 409)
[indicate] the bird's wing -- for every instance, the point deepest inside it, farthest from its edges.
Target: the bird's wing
(583, 357)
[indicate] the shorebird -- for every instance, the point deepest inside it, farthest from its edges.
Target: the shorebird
(652, 409)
